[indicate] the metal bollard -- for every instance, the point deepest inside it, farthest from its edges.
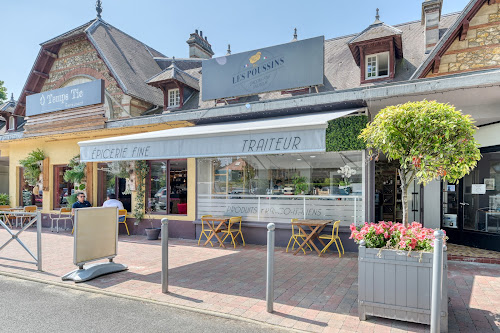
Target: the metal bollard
(39, 240)
(437, 281)
(270, 267)
(164, 255)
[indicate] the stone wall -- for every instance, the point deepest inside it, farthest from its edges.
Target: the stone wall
(78, 57)
(481, 47)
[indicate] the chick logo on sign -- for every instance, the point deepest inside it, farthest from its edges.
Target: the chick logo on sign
(258, 70)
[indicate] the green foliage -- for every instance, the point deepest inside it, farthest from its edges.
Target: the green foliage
(300, 184)
(141, 171)
(342, 133)
(4, 199)
(429, 139)
(31, 166)
(71, 199)
(76, 171)
(3, 92)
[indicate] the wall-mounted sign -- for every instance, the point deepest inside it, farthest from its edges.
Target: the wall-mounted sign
(287, 66)
(76, 96)
(478, 189)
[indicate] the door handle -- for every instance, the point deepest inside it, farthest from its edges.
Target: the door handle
(464, 204)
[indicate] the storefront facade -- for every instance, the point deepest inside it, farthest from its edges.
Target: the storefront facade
(267, 178)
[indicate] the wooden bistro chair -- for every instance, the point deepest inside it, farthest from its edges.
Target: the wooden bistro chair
(7, 217)
(204, 231)
(295, 236)
(63, 215)
(333, 238)
(26, 219)
(122, 215)
(234, 231)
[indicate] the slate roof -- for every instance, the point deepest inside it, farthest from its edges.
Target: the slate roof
(181, 63)
(132, 61)
(174, 73)
(69, 34)
(340, 69)
(376, 30)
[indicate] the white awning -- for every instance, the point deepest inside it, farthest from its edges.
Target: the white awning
(290, 134)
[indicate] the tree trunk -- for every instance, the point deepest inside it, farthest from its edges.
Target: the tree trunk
(404, 195)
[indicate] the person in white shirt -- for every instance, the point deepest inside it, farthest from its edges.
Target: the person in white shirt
(112, 202)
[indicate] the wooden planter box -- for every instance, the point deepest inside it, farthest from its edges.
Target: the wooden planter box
(396, 286)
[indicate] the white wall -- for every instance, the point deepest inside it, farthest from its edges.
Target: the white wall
(432, 205)
(488, 135)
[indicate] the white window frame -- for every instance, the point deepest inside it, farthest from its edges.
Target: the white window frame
(174, 97)
(376, 56)
(12, 123)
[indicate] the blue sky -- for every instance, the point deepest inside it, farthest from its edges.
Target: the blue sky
(166, 25)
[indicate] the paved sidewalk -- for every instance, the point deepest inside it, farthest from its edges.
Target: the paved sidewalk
(312, 293)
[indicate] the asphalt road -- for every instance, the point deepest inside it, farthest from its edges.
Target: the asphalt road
(36, 307)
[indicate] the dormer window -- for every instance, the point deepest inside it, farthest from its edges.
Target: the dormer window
(174, 98)
(377, 65)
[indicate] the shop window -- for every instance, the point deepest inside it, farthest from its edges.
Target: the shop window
(29, 195)
(167, 187)
(277, 188)
(107, 184)
(377, 65)
(480, 197)
(62, 188)
(174, 97)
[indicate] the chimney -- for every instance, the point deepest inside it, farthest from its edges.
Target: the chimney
(431, 15)
(199, 47)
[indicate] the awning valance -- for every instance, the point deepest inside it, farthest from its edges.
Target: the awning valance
(290, 134)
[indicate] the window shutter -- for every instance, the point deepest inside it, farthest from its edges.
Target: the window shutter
(46, 174)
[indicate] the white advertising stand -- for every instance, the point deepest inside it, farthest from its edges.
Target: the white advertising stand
(95, 238)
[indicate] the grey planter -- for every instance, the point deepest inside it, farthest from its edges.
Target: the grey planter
(396, 286)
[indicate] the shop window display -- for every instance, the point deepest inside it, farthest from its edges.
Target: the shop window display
(270, 188)
(168, 187)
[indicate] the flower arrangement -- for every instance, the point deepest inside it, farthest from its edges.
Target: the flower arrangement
(394, 236)
(346, 172)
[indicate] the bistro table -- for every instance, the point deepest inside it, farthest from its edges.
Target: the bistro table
(210, 223)
(316, 226)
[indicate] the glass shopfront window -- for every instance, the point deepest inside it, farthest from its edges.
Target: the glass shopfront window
(108, 184)
(277, 188)
(481, 195)
(29, 195)
(62, 189)
(168, 187)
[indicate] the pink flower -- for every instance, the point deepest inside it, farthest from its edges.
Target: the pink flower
(386, 235)
(352, 227)
(402, 244)
(359, 236)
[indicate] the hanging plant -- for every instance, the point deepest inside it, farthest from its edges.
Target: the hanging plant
(33, 166)
(141, 171)
(119, 169)
(76, 172)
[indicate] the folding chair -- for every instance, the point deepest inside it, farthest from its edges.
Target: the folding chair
(122, 218)
(6, 216)
(295, 236)
(203, 230)
(234, 232)
(24, 218)
(334, 237)
(61, 216)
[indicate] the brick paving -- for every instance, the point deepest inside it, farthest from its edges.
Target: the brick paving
(472, 254)
(312, 294)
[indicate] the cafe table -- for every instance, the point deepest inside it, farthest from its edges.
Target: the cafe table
(210, 223)
(315, 226)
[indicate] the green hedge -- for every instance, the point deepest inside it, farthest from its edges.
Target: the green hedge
(342, 133)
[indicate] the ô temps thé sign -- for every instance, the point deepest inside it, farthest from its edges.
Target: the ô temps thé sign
(76, 96)
(286, 66)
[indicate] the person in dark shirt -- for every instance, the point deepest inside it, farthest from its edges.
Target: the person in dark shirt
(81, 202)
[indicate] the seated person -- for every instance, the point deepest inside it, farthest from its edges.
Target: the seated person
(81, 202)
(278, 185)
(113, 202)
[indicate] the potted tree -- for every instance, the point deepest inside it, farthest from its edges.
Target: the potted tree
(430, 140)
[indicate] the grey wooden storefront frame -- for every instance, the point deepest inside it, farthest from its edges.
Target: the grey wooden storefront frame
(397, 286)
